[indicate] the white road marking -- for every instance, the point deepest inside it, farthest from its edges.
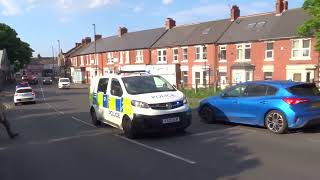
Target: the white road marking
(223, 130)
(75, 137)
(44, 99)
(157, 150)
(314, 140)
(79, 120)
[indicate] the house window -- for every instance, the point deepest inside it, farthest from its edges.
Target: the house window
(184, 54)
(162, 55)
(87, 60)
(185, 77)
(297, 77)
(197, 78)
(204, 78)
(139, 56)
(267, 75)
(121, 57)
(301, 48)
(269, 50)
(243, 52)
(201, 52)
(81, 60)
(175, 54)
(127, 57)
(223, 53)
(198, 53)
(109, 57)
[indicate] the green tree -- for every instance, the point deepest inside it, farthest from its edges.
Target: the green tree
(312, 26)
(19, 52)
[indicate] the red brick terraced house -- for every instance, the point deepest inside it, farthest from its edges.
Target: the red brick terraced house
(193, 47)
(242, 48)
(114, 53)
(267, 47)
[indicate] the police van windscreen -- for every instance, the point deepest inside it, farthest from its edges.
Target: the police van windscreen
(146, 84)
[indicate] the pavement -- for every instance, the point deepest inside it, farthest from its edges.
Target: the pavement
(58, 141)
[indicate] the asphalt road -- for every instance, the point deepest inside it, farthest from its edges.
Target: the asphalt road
(57, 141)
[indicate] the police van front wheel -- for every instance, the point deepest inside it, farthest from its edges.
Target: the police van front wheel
(129, 131)
(94, 119)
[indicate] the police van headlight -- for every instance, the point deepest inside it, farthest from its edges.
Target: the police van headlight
(140, 104)
(185, 100)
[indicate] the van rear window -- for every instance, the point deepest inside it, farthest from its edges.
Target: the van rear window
(304, 90)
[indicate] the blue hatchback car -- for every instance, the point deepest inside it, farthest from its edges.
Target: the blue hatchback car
(276, 105)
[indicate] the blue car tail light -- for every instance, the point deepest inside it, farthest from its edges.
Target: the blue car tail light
(294, 101)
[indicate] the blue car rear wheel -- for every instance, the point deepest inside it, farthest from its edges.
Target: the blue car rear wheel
(276, 122)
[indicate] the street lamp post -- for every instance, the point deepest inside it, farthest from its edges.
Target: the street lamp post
(59, 63)
(52, 60)
(95, 48)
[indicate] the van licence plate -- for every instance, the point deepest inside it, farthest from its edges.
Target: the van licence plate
(170, 120)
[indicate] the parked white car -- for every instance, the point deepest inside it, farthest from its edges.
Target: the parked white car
(64, 83)
(23, 95)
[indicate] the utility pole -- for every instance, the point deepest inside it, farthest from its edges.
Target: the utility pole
(59, 57)
(95, 48)
(52, 60)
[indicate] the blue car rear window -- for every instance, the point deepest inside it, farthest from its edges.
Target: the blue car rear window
(304, 90)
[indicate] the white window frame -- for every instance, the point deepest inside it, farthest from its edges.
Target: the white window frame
(127, 54)
(121, 57)
(161, 58)
(87, 60)
(222, 48)
(300, 49)
(183, 54)
(266, 51)
(109, 57)
(95, 59)
(175, 57)
(81, 61)
(139, 56)
(243, 47)
(199, 56)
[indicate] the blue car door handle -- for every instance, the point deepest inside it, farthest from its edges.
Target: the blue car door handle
(235, 102)
(264, 102)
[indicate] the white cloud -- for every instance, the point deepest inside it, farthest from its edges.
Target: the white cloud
(100, 3)
(201, 12)
(10, 8)
(138, 8)
(167, 2)
(65, 20)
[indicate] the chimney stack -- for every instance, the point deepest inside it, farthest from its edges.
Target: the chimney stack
(235, 12)
(122, 31)
(97, 37)
(285, 5)
(83, 41)
(280, 7)
(78, 44)
(87, 40)
(170, 23)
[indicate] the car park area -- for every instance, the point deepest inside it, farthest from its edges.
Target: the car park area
(58, 141)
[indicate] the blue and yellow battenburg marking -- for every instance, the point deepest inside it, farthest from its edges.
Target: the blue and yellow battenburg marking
(122, 105)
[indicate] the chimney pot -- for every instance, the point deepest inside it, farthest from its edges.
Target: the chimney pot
(170, 23)
(235, 12)
(122, 31)
(97, 37)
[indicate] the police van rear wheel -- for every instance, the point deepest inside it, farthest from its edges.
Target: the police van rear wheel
(94, 119)
(129, 131)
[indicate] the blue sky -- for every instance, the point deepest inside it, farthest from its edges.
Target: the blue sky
(42, 23)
